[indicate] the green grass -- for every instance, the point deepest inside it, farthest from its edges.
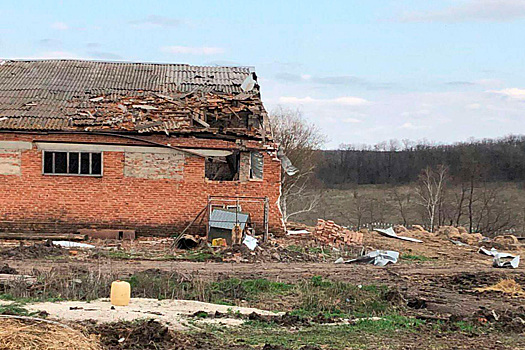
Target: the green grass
(357, 335)
(197, 256)
(339, 299)
(233, 289)
(27, 300)
(15, 309)
(309, 250)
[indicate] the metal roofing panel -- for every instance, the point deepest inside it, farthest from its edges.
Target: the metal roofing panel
(227, 219)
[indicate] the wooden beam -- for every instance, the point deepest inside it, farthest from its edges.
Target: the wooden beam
(42, 237)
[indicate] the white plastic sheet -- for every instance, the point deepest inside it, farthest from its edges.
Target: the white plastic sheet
(250, 242)
(389, 232)
(69, 244)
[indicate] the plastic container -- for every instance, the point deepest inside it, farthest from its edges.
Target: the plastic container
(120, 293)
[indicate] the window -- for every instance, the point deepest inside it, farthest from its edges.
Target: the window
(72, 163)
(222, 168)
(256, 165)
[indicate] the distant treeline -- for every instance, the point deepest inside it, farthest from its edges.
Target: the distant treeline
(401, 162)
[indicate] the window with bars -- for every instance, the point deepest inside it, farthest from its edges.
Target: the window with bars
(72, 163)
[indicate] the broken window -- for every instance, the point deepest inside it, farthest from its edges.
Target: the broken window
(72, 163)
(222, 168)
(256, 165)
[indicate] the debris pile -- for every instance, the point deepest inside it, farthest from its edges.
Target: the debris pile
(264, 253)
(149, 334)
(34, 251)
(331, 233)
(181, 112)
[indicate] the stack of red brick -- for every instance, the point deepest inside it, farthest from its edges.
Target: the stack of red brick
(331, 233)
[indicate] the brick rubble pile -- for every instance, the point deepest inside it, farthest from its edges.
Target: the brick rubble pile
(331, 233)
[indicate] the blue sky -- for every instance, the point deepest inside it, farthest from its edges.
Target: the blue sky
(363, 71)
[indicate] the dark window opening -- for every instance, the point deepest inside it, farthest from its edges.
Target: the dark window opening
(72, 163)
(222, 168)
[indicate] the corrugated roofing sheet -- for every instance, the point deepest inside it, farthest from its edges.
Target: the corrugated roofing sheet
(227, 219)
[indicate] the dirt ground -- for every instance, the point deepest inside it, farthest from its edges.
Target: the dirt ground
(436, 278)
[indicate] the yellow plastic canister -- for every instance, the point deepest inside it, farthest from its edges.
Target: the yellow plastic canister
(120, 293)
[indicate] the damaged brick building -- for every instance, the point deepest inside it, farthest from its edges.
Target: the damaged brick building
(131, 146)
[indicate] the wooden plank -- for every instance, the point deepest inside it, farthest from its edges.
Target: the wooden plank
(42, 237)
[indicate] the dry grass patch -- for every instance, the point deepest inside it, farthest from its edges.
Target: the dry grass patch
(34, 334)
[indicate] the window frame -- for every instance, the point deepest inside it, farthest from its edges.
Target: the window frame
(53, 151)
(251, 177)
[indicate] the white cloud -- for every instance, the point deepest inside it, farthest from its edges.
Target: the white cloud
(514, 93)
(473, 106)
(419, 113)
(342, 101)
(352, 120)
(60, 26)
(192, 50)
(473, 10)
(410, 126)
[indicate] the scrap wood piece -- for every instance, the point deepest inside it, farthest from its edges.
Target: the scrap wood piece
(389, 232)
(201, 122)
(42, 237)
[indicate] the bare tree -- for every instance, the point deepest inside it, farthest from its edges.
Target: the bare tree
(402, 201)
(430, 190)
(300, 140)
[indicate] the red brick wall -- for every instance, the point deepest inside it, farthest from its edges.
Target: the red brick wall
(160, 206)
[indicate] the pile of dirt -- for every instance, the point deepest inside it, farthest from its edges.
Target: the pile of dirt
(459, 234)
(21, 334)
(8, 270)
(286, 319)
(280, 347)
(150, 334)
(265, 253)
(512, 321)
(35, 251)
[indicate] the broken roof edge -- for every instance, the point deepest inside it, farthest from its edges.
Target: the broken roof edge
(248, 69)
(267, 144)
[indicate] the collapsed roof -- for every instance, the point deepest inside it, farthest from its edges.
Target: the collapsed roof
(75, 95)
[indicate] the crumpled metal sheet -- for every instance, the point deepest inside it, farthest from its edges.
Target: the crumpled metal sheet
(376, 257)
(286, 163)
(389, 232)
(503, 260)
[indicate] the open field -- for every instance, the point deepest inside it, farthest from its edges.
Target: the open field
(365, 204)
